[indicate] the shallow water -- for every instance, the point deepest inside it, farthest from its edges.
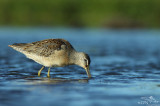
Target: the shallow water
(125, 68)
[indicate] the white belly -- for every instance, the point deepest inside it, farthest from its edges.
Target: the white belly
(50, 61)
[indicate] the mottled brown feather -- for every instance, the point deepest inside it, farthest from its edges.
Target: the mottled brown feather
(44, 47)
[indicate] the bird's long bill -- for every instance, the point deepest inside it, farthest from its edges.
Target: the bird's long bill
(88, 72)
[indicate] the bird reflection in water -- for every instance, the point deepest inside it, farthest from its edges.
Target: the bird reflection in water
(36, 80)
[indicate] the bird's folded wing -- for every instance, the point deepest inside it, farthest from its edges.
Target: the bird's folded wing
(46, 47)
(41, 48)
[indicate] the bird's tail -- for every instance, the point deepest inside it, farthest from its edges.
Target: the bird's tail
(18, 46)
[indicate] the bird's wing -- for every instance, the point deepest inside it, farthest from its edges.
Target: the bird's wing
(45, 47)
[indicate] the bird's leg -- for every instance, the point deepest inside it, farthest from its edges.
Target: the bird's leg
(48, 75)
(39, 72)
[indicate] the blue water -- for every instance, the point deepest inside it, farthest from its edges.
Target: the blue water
(125, 68)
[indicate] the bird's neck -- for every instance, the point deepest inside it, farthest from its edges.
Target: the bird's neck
(74, 58)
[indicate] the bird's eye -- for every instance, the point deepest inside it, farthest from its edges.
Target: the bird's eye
(85, 60)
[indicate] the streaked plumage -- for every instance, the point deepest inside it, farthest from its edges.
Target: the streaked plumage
(53, 53)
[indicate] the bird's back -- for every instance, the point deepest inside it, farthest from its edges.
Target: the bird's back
(44, 47)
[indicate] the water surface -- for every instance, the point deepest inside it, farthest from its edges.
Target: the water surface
(125, 68)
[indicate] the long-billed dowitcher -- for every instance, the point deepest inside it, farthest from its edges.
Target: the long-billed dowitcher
(53, 53)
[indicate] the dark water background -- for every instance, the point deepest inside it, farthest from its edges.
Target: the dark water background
(125, 68)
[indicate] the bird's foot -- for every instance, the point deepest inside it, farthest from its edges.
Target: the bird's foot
(48, 76)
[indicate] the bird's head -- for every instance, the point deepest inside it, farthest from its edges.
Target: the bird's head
(84, 61)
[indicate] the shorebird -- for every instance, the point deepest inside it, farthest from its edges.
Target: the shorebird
(53, 53)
